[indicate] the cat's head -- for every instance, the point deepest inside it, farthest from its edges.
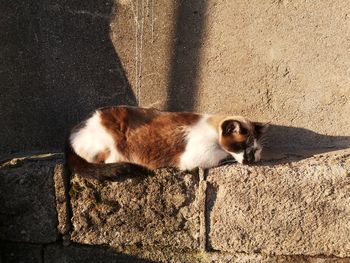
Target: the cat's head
(242, 138)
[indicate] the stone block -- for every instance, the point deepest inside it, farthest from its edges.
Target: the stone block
(61, 179)
(160, 211)
(290, 208)
(77, 253)
(20, 253)
(217, 257)
(27, 196)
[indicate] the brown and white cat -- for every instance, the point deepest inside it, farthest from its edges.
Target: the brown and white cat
(137, 140)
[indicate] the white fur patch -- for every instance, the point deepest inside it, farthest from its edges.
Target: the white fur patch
(93, 139)
(257, 154)
(202, 148)
(238, 156)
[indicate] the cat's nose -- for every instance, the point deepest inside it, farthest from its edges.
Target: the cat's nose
(249, 157)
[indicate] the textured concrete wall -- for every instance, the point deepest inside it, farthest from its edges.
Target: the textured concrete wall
(281, 61)
(57, 64)
(286, 62)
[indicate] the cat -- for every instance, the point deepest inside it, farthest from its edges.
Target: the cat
(136, 140)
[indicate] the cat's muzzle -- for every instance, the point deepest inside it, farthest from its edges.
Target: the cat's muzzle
(249, 156)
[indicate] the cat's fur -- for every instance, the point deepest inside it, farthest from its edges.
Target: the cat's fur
(136, 140)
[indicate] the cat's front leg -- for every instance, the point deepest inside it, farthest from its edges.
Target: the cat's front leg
(227, 160)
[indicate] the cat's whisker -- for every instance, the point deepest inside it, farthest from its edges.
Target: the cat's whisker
(263, 141)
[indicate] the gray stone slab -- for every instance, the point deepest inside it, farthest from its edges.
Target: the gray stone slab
(27, 196)
(220, 257)
(291, 208)
(61, 179)
(20, 253)
(160, 210)
(78, 254)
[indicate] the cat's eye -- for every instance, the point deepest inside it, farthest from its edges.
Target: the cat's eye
(250, 140)
(237, 147)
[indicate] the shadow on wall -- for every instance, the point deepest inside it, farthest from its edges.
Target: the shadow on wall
(61, 65)
(19, 252)
(83, 63)
(300, 143)
(185, 61)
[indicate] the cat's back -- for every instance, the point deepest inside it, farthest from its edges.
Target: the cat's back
(125, 133)
(155, 138)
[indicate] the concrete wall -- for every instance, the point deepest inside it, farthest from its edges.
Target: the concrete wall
(286, 62)
(57, 64)
(281, 61)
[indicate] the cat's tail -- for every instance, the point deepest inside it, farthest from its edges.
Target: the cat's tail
(110, 172)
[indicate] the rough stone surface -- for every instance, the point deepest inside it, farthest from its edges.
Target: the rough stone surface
(84, 253)
(290, 208)
(278, 211)
(165, 254)
(78, 253)
(215, 257)
(160, 210)
(20, 253)
(62, 199)
(27, 196)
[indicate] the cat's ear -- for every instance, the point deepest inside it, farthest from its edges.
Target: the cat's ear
(260, 128)
(230, 126)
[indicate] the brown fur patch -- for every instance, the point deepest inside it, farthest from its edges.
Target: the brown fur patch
(239, 137)
(235, 141)
(102, 156)
(147, 136)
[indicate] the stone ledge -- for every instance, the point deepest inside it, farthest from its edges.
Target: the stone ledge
(56, 253)
(295, 211)
(296, 208)
(27, 196)
(161, 210)
(223, 257)
(62, 184)
(20, 252)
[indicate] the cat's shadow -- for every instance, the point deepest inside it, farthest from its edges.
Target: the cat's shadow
(284, 144)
